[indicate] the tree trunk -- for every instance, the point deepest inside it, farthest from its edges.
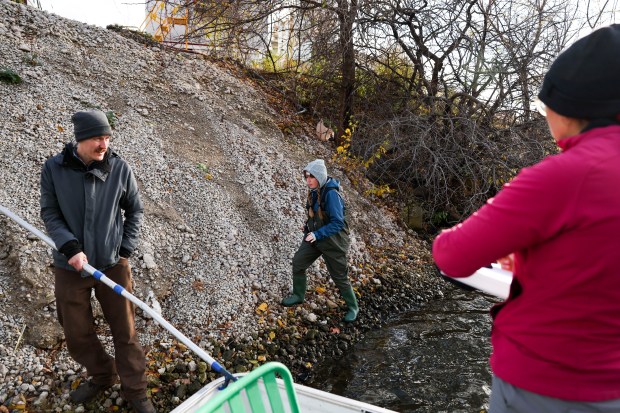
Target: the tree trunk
(347, 13)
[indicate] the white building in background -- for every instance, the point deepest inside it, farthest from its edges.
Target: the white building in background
(283, 30)
(277, 37)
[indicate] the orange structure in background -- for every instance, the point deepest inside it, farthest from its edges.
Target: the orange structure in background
(164, 18)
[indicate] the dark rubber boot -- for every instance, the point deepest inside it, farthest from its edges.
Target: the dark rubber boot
(299, 292)
(142, 406)
(349, 297)
(88, 391)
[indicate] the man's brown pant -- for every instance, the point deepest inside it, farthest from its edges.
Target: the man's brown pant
(75, 314)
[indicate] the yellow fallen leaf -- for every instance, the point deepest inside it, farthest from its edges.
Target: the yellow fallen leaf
(272, 335)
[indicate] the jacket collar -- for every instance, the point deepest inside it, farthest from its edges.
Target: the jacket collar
(566, 144)
(100, 169)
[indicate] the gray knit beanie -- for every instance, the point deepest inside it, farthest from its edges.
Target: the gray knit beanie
(90, 124)
(317, 169)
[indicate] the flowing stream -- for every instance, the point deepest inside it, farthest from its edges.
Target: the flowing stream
(434, 359)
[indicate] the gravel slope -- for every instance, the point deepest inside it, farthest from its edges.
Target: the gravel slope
(223, 194)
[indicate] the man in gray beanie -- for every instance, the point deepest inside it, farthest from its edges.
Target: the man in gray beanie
(92, 211)
(326, 234)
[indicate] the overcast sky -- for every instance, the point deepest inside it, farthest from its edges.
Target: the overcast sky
(98, 12)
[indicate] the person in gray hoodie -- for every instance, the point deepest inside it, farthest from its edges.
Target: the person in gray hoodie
(92, 211)
(326, 234)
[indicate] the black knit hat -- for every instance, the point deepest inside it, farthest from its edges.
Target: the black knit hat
(90, 124)
(584, 80)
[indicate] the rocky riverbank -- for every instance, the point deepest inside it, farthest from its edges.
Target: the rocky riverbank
(223, 194)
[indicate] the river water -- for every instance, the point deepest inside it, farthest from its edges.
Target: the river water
(433, 359)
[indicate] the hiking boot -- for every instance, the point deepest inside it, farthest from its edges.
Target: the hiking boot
(88, 391)
(142, 406)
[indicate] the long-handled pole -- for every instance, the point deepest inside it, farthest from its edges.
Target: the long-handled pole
(121, 291)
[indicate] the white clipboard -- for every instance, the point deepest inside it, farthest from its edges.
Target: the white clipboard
(494, 281)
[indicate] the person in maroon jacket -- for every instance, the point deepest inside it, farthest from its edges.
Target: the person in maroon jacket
(556, 339)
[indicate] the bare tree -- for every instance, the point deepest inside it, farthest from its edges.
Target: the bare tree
(442, 87)
(460, 77)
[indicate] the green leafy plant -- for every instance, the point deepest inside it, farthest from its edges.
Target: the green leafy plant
(355, 167)
(205, 169)
(32, 59)
(440, 218)
(112, 118)
(9, 76)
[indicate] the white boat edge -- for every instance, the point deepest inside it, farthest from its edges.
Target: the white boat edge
(494, 281)
(310, 400)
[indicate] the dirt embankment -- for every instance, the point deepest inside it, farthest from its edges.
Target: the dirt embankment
(223, 194)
